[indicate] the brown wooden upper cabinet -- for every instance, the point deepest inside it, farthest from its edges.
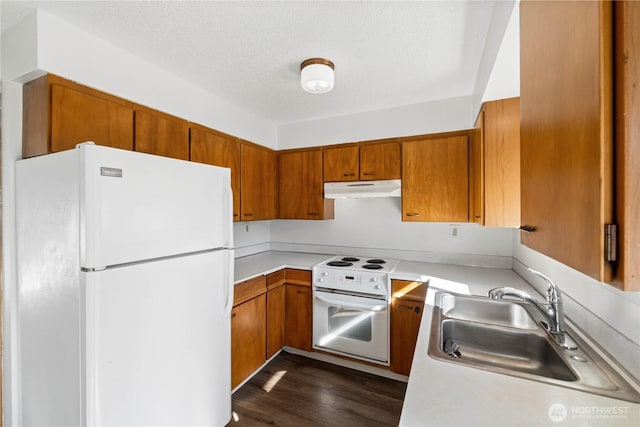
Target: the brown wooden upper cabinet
(300, 186)
(341, 163)
(380, 161)
(365, 161)
(435, 179)
(566, 131)
(58, 114)
(215, 148)
(495, 165)
(161, 134)
(257, 182)
(627, 148)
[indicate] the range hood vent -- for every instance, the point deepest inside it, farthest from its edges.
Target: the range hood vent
(362, 189)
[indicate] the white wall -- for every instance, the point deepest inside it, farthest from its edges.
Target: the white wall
(504, 81)
(65, 50)
(430, 117)
(374, 227)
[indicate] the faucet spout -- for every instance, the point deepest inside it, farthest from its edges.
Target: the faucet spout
(552, 309)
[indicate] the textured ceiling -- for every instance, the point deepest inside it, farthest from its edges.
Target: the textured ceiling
(386, 53)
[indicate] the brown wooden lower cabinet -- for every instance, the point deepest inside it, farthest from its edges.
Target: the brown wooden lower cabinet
(248, 328)
(248, 338)
(275, 312)
(407, 306)
(298, 310)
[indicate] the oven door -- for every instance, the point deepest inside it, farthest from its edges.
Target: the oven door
(355, 326)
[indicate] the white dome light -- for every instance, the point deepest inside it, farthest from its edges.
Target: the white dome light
(316, 75)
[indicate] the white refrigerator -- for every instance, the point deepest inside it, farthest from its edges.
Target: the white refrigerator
(125, 289)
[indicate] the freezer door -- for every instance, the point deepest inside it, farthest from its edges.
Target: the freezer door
(137, 206)
(157, 346)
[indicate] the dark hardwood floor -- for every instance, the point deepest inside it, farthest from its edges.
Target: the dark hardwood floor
(297, 391)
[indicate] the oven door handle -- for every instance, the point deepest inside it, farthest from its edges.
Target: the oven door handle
(341, 304)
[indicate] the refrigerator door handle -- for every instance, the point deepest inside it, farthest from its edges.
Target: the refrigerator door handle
(230, 286)
(228, 202)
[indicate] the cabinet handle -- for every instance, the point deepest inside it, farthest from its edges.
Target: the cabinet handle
(416, 308)
(348, 174)
(313, 214)
(478, 216)
(527, 228)
(369, 173)
(413, 214)
(248, 214)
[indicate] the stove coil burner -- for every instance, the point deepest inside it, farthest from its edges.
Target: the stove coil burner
(339, 264)
(372, 266)
(376, 261)
(350, 259)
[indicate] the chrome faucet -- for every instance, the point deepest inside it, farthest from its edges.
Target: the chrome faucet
(552, 310)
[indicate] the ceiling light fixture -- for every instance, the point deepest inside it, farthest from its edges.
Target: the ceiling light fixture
(316, 75)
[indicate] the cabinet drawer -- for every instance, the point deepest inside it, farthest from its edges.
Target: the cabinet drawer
(249, 289)
(275, 279)
(298, 277)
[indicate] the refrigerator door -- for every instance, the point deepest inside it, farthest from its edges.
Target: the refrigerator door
(136, 206)
(157, 348)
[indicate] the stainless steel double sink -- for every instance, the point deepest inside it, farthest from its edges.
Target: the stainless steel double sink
(509, 337)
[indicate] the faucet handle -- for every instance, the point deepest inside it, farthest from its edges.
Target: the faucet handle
(553, 291)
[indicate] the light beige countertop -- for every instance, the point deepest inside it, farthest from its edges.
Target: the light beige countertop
(267, 262)
(447, 394)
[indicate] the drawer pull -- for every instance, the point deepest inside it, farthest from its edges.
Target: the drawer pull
(527, 228)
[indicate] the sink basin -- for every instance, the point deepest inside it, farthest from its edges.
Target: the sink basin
(506, 337)
(485, 310)
(506, 349)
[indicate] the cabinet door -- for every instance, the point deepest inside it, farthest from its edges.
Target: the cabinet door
(380, 161)
(407, 307)
(248, 338)
(78, 117)
(219, 150)
(405, 324)
(435, 179)
(275, 320)
(160, 134)
(566, 132)
(300, 186)
(298, 326)
(341, 164)
(257, 183)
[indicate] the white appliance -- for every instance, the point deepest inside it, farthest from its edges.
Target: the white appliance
(363, 189)
(125, 288)
(351, 307)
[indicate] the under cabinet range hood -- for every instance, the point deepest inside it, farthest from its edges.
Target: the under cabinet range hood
(362, 189)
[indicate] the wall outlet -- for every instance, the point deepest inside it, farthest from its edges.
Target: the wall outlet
(454, 231)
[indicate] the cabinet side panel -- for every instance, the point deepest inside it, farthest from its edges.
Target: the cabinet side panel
(35, 117)
(627, 63)
(49, 331)
(502, 163)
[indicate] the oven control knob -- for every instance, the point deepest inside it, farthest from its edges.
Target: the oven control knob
(374, 279)
(321, 280)
(324, 273)
(377, 287)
